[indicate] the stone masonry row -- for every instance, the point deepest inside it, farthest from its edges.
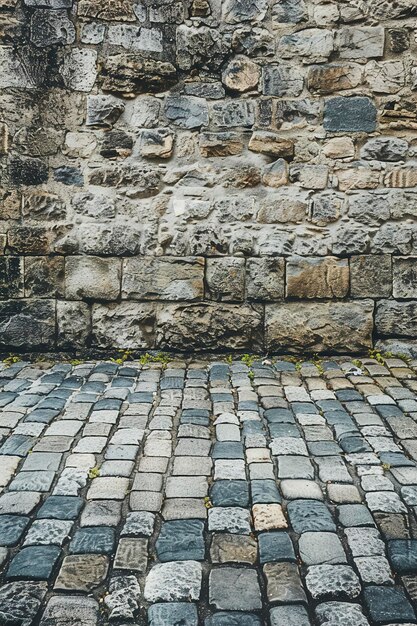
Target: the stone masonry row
(211, 174)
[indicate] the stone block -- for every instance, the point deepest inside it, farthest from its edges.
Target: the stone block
(27, 323)
(314, 43)
(225, 278)
(48, 28)
(74, 323)
(265, 279)
(334, 327)
(78, 69)
(316, 277)
(244, 11)
(156, 143)
(11, 277)
(370, 276)
(186, 111)
(353, 114)
(92, 277)
(282, 80)
(232, 114)
(289, 11)
(163, 278)
(121, 10)
(124, 325)
(241, 74)
(396, 319)
(385, 149)
(196, 45)
(386, 76)
(220, 144)
(364, 42)
(131, 73)
(333, 77)
(404, 277)
(271, 145)
(44, 276)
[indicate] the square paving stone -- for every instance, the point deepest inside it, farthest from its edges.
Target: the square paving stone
(355, 515)
(268, 517)
(317, 548)
(42, 461)
(275, 547)
(364, 542)
(121, 453)
(20, 602)
(288, 615)
(12, 528)
(288, 446)
(54, 444)
(232, 618)
(117, 468)
(310, 516)
(225, 581)
(295, 467)
(34, 563)
(301, 489)
(101, 513)
(283, 430)
(374, 570)
(184, 508)
(233, 520)
(147, 482)
(17, 445)
(386, 604)
(82, 572)
(147, 501)
(343, 613)
(67, 611)
(19, 503)
(264, 492)
(138, 523)
(108, 488)
(174, 581)
(32, 481)
(402, 554)
(181, 540)
(283, 583)
(173, 613)
(324, 448)
(229, 493)
(132, 554)
(48, 532)
(192, 466)
(66, 428)
(226, 548)
(343, 493)
(193, 447)
(332, 581)
(93, 540)
(227, 450)
(229, 469)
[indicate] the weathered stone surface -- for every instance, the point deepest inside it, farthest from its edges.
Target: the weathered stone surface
(118, 10)
(334, 77)
(21, 601)
(349, 114)
(396, 318)
(271, 144)
(326, 277)
(175, 581)
(222, 585)
(67, 611)
(241, 75)
(27, 323)
(82, 572)
(334, 327)
(92, 277)
(124, 325)
(130, 73)
(163, 278)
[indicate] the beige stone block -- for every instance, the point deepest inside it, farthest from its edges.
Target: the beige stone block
(317, 277)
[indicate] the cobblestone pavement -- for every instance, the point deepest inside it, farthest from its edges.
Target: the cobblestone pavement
(208, 493)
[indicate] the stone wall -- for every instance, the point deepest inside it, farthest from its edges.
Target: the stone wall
(208, 174)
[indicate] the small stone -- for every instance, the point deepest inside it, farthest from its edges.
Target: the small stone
(34, 563)
(388, 603)
(321, 548)
(335, 613)
(223, 583)
(132, 554)
(336, 581)
(61, 507)
(275, 546)
(82, 572)
(181, 540)
(67, 610)
(108, 488)
(227, 548)
(139, 523)
(283, 583)
(374, 570)
(46, 532)
(241, 74)
(268, 517)
(20, 602)
(310, 516)
(229, 519)
(289, 615)
(173, 613)
(93, 540)
(175, 581)
(295, 489)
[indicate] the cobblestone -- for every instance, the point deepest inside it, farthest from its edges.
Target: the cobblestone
(219, 516)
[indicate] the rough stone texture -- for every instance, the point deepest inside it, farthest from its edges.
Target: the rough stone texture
(201, 153)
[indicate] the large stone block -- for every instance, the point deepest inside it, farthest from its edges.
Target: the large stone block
(314, 43)
(48, 28)
(79, 70)
(326, 327)
(265, 279)
(163, 278)
(210, 326)
(74, 324)
(128, 325)
(200, 47)
(282, 80)
(396, 319)
(225, 279)
(289, 11)
(92, 277)
(27, 324)
(404, 277)
(315, 277)
(349, 114)
(370, 276)
(186, 111)
(30, 240)
(235, 11)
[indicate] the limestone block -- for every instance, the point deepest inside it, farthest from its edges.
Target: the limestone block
(316, 44)
(131, 73)
(156, 143)
(28, 324)
(48, 28)
(334, 77)
(163, 278)
(78, 69)
(92, 277)
(271, 144)
(128, 325)
(282, 80)
(404, 277)
(220, 144)
(309, 277)
(225, 278)
(385, 149)
(11, 277)
(241, 74)
(385, 76)
(370, 276)
(363, 42)
(186, 111)
(103, 9)
(200, 47)
(289, 11)
(74, 324)
(396, 319)
(209, 326)
(329, 327)
(265, 279)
